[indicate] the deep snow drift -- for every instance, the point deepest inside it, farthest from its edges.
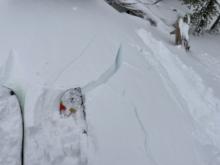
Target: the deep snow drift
(144, 105)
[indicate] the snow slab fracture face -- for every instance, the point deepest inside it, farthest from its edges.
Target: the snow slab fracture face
(52, 139)
(10, 128)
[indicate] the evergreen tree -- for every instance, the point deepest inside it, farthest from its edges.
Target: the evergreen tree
(205, 16)
(216, 25)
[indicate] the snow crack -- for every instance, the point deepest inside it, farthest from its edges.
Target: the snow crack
(74, 60)
(104, 77)
(146, 147)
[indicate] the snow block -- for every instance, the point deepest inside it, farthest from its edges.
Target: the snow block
(10, 128)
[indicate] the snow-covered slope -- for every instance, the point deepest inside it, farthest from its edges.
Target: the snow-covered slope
(143, 104)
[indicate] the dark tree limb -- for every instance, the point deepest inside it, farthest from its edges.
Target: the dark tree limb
(145, 3)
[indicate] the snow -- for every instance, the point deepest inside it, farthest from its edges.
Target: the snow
(147, 101)
(184, 29)
(10, 129)
(51, 138)
(200, 101)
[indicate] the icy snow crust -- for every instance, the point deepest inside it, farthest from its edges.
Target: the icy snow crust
(142, 105)
(10, 129)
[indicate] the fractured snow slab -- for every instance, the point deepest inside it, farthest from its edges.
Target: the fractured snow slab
(136, 121)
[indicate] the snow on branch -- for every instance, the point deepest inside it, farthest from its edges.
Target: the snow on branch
(136, 8)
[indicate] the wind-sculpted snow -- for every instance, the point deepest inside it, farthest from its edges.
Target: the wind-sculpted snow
(198, 99)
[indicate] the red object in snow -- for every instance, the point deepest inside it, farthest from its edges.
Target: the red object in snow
(62, 107)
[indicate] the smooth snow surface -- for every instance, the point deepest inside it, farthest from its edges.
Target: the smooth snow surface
(146, 103)
(10, 129)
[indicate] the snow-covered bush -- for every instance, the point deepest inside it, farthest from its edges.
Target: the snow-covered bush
(133, 7)
(205, 16)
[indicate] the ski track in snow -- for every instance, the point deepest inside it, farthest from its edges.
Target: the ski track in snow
(203, 106)
(106, 75)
